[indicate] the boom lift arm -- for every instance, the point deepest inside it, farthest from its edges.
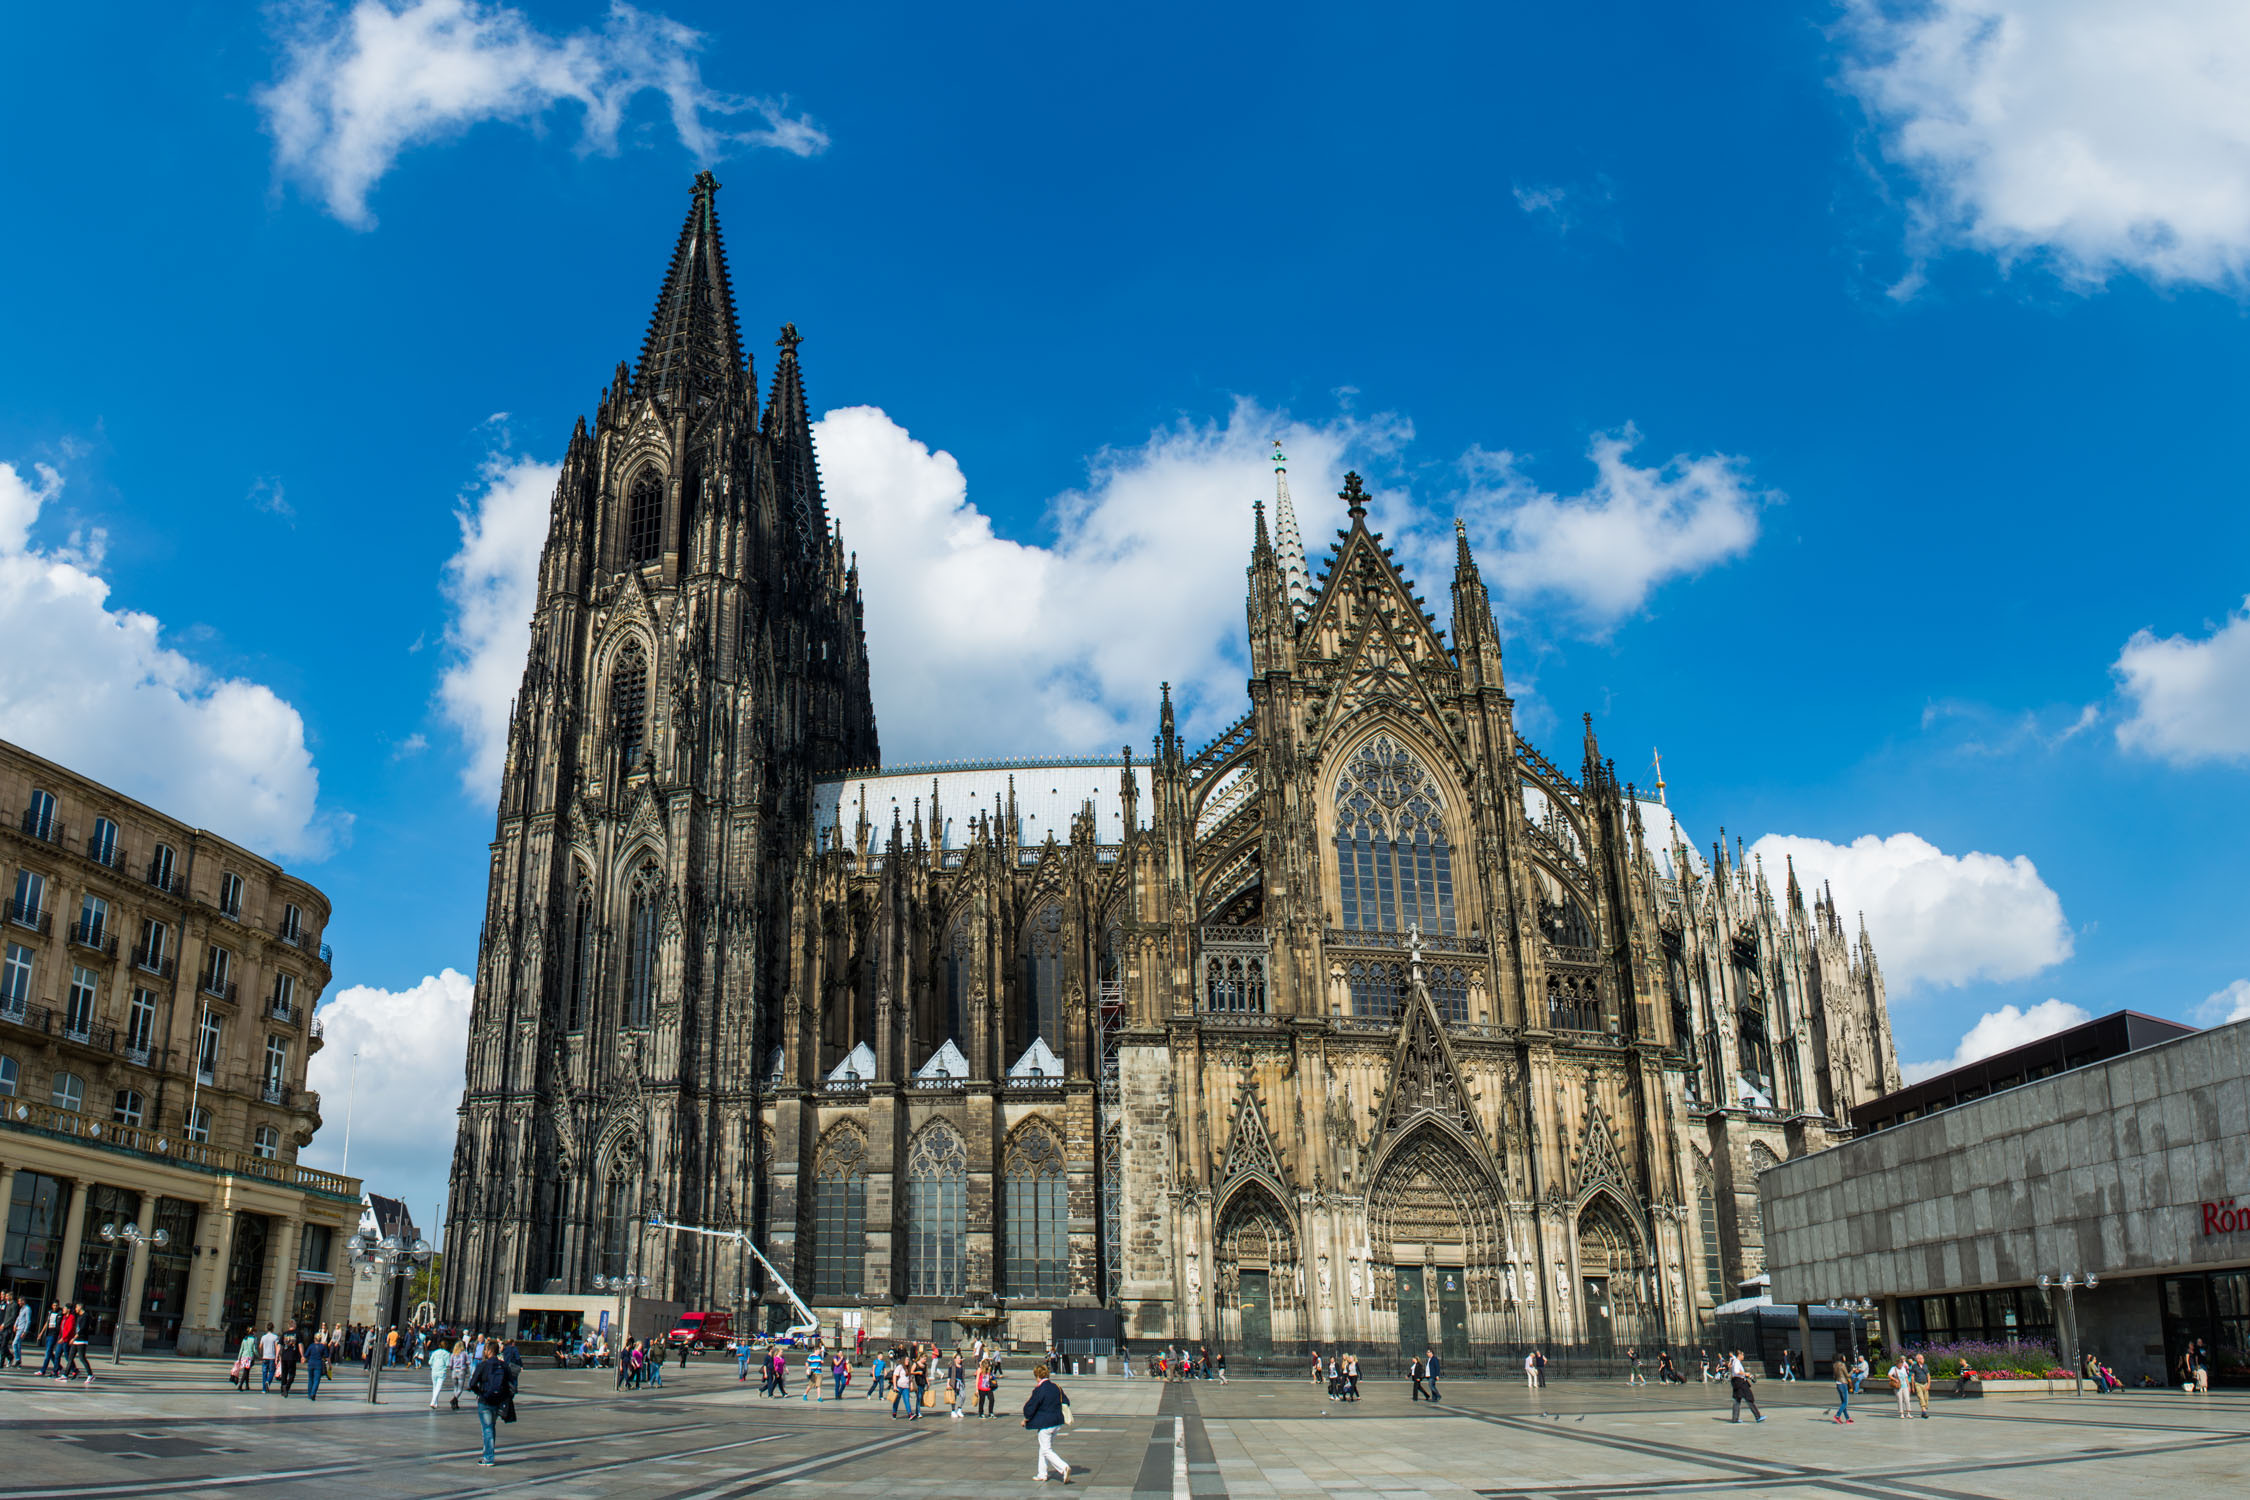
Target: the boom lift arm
(807, 1325)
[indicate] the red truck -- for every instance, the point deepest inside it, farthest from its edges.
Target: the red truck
(702, 1330)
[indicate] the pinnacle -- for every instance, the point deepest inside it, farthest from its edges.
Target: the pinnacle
(693, 351)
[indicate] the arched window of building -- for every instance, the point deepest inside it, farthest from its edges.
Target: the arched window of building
(644, 519)
(578, 962)
(840, 1214)
(1234, 981)
(1043, 974)
(1449, 987)
(1378, 986)
(127, 1107)
(937, 1213)
(620, 1205)
(1573, 1002)
(640, 947)
(628, 706)
(1394, 864)
(1707, 1218)
(1038, 1215)
(955, 969)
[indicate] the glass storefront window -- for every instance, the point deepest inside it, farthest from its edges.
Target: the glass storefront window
(100, 1279)
(35, 1231)
(164, 1296)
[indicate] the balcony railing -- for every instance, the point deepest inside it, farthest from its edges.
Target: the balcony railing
(47, 1119)
(327, 956)
(48, 829)
(104, 852)
(313, 1028)
(100, 1038)
(282, 1011)
(217, 988)
(24, 914)
(139, 1057)
(94, 935)
(39, 1018)
(167, 881)
(154, 963)
(274, 1093)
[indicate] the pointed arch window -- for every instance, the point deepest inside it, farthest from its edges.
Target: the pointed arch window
(628, 706)
(620, 1201)
(1707, 1219)
(1038, 1215)
(1043, 974)
(840, 1215)
(1394, 863)
(955, 970)
(937, 1213)
(640, 948)
(579, 962)
(644, 519)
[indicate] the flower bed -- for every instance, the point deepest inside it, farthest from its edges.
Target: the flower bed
(2014, 1359)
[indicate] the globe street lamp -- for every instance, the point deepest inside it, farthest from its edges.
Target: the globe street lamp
(383, 1260)
(2068, 1284)
(133, 1237)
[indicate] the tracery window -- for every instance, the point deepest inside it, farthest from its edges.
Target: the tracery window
(1394, 865)
(1573, 1003)
(1449, 988)
(1234, 981)
(640, 948)
(579, 963)
(628, 706)
(1043, 973)
(954, 962)
(937, 1213)
(840, 1215)
(1038, 1209)
(618, 1216)
(1378, 986)
(644, 520)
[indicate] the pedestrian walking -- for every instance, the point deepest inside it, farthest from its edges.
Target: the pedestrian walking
(24, 1314)
(1436, 1367)
(291, 1353)
(1738, 1378)
(81, 1338)
(812, 1376)
(741, 1361)
(843, 1375)
(1843, 1391)
(956, 1377)
(1633, 1362)
(1531, 1369)
(440, 1361)
(1664, 1370)
(1046, 1410)
(496, 1397)
(652, 1351)
(316, 1365)
(244, 1357)
(269, 1355)
(1922, 1384)
(1219, 1367)
(1902, 1386)
(1414, 1373)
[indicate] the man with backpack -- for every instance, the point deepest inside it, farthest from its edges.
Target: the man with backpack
(495, 1385)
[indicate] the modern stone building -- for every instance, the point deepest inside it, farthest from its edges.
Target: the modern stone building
(2126, 1169)
(157, 986)
(1364, 1021)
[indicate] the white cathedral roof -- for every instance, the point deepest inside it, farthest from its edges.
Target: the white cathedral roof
(858, 1065)
(1658, 828)
(1048, 795)
(1038, 1061)
(946, 1062)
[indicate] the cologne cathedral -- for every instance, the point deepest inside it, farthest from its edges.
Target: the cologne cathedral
(1366, 1023)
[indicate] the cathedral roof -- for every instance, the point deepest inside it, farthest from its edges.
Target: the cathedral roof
(1048, 794)
(1659, 826)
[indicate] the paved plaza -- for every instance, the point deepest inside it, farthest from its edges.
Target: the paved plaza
(163, 1427)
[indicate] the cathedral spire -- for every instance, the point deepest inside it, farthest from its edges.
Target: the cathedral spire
(788, 430)
(1354, 496)
(693, 352)
(1288, 542)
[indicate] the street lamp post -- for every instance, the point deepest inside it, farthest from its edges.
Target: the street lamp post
(382, 1260)
(2068, 1284)
(134, 1237)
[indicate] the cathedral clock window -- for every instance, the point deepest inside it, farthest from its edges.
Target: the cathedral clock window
(640, 949)
(1043, 973)
(644, 519)
(1394, 864)
(628, 706)
(840, 1215)
(1038, 1216)
(937, 1211)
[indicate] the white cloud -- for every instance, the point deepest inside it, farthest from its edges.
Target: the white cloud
(359, 87)
(2190, 699)
(2094, 136)
(2229, 1004)
(1998, 1030)
(984, 645)
(1600, 553)
(410, 1045)
(96, 689)
(1937, 919)
(491, 583)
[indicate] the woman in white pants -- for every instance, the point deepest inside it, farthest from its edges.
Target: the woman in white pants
(440, 1361)
(1047, 1410)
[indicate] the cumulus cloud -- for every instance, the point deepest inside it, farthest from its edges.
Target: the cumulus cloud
(358, 87)
(95, 688)
(1998, 1030)
(2229, 1004)
(1937, 920)
(2189, 699)
(401, 1092)
(2097, 138)
(490, 584)
(983, 644)
(1601, 552)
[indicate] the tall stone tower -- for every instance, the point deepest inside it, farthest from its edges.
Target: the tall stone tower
(697, 660)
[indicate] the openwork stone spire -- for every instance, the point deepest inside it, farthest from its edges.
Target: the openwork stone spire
(693, 351)
(1289, 543)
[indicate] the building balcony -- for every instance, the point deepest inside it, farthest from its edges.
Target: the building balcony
(273, 1093)
(94, 936)
(217, 988)
(39, 1018)
(24, 914)
(48, 829)
(104, 852)
(160, 1147)
(167, 881)
(154, 963)
(139, 1057)
(98, 1038)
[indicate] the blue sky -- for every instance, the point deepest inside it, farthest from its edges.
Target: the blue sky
(1837, 394)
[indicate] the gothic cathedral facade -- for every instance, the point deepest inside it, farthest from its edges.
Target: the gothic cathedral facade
(1365, 1023)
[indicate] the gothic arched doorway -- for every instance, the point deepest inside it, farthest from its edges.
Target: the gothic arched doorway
(1617, 1286)
(1434, 1221)
(1257, 1271)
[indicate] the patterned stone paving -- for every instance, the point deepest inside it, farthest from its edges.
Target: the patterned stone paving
(159, 1427)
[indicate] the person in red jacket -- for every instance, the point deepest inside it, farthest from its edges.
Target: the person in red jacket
(63, 1332)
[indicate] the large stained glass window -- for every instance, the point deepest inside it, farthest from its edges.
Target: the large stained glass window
(937, 1213)
(840, 1215)
(1038, 1224)
(1393, 862)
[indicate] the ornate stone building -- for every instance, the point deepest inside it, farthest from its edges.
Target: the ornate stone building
(1364, 1022)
